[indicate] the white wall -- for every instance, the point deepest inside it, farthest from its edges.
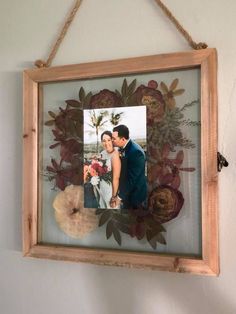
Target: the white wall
(109, 29)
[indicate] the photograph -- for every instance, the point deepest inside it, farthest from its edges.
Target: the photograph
(115, 173)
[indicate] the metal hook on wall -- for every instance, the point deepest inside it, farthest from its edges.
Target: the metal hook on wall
(221, 162)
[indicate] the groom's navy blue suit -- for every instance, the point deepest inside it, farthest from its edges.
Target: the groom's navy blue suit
(133, 184)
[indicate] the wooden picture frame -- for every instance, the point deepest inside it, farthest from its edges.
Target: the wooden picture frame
(208, 262)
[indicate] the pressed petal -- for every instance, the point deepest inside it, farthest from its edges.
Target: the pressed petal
(154, 172)
(179, 158)
(174, 84)
(153, 84)
(178, 92)
(164, 87)
(60, 183)
(187, 169)
(49, 123)
(166, 179)
(176, 182)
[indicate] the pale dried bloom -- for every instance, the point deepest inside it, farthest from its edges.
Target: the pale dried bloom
(71, 216)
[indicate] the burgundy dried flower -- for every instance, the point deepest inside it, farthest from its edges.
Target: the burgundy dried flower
(165, 203)
(153, 99)
(152, 84)
(104, 99)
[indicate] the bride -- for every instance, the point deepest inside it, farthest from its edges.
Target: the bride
(108, 191)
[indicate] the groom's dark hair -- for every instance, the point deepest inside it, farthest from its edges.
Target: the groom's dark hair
(122, 130)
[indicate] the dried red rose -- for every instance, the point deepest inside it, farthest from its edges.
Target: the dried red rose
(165, 203)
(104, 99)
(154, 101)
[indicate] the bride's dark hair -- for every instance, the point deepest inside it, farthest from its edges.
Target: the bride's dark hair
(106, 133)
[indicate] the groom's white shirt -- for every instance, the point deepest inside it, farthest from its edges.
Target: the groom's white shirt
(123, 148)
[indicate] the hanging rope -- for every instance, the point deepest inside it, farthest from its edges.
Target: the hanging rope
(180, 28)
(41, 63)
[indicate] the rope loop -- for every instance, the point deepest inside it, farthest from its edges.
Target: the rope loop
(40, 64)
(200, 46)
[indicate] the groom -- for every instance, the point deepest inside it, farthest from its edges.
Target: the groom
(132, 186)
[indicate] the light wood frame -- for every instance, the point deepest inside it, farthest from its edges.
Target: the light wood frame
(206, 59)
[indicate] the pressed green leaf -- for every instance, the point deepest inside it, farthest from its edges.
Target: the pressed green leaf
(104, 218)
(75, 114)
(49, 123)
(74, 103)
(178, 92)
(155, 227)
(118, 93)
(174, 84)
(125, 219)
(160, 238)
(99, 211)
(124, 88)
(131, 87)
(82, 94)
(117, 235)
(52, 114)
(164, 88)
(132, 100)
(122, 227)
(109, 229)
(186, 106)
(54, 145)
(153, 243)
(87, 99)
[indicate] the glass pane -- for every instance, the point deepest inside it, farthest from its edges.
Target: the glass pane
(154, 171)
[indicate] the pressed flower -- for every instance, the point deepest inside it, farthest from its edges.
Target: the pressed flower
(60, 174)
(165, 203)
(152, 84)
(166, 171)
(154, 101)
(71, 216)
(171, 92)
(104, 99)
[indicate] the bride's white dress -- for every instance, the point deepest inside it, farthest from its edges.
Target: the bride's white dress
(106, 187)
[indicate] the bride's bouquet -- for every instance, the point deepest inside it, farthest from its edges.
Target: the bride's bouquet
(95, 170)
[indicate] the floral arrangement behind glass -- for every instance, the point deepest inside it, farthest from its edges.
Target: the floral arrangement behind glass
(164, 172)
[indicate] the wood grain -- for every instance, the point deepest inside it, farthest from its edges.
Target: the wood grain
(30, 163)
(142, 260)
(209, 174)
(156, 63)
